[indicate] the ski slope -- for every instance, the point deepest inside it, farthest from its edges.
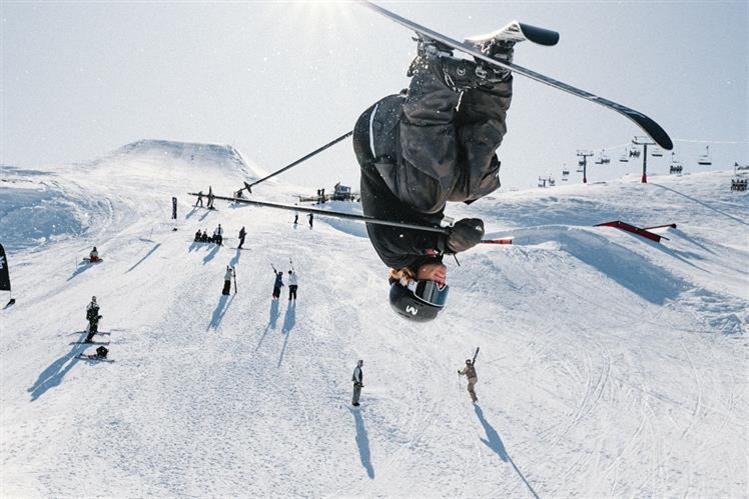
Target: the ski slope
(609, 365)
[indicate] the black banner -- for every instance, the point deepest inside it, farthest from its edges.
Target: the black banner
(4, 275)
(174, 208)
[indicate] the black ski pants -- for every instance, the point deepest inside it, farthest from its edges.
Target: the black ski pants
(292, 292)
(227, 288)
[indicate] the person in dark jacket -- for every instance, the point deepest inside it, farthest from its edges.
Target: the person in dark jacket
(278, 284)
(420, 149)
(242, 234)
(93, 317)
(311, 218)
(358, 378)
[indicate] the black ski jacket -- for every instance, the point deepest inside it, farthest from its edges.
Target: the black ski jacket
(397, 247)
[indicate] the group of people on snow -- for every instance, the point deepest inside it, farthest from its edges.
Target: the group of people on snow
(278, 284)
(357, 378)
(217, 237)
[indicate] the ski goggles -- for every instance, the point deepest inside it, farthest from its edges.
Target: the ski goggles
(430, 292)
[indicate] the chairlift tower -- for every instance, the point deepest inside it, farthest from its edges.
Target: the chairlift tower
(583, 161)
(644, 142)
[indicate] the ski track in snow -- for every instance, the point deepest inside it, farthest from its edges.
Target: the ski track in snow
(609, 365)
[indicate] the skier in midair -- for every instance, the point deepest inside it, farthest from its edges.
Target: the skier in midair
(358, 378)
(418, 150)
(278, 283)
(92, 316)
(227, 280)
(469, 371)
(242, 234)
(293, 284)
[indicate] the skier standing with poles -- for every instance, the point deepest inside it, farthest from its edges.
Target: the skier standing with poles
(358, 378)
(420, 150)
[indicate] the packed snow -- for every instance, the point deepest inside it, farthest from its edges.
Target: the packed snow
(610, 365)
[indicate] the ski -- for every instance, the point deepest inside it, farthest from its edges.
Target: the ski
(649, 126)
(89, 343)
(93, 357)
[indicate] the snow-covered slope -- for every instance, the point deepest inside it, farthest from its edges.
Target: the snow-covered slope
(609, 365)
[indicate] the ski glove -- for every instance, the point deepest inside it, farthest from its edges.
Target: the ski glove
(465, 234)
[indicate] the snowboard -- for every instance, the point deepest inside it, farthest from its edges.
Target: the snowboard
(648, 125)
(88, 260)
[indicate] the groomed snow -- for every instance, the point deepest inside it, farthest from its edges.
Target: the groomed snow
(609, 365)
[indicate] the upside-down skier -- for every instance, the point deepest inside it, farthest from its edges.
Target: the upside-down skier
(418, 150)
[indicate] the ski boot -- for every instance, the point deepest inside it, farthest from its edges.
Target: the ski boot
(500, 50)
(458, 74)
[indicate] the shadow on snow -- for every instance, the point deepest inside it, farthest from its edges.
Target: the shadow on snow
(494, 442)
(52, 376)
(362, 441)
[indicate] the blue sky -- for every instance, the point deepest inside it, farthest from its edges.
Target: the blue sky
(278, 79)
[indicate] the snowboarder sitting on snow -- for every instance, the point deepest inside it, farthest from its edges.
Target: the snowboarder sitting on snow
(198, 236)
(94, 255)
(278, 284)
(92, 316)
(470, 371)
(420, 149)
(101, 352)
(204, 236)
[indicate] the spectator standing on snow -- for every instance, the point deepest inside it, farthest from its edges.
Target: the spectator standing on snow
(293, 284)
(210, 198)
(278, 284)
(92, 316)
(470, 372)
(242, 234)
(227, 280)
(311, 217)
(358, 378)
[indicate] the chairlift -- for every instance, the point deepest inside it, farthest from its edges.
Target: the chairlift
(581, 162)
(657, 152)
(676, 167)
(565, 173)
(634, 153)
(624, 158)
(705, 159)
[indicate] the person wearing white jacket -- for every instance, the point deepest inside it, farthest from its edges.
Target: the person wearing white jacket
(293, 284)
(227, 280)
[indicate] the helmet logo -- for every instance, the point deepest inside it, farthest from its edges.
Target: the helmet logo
(411, 310)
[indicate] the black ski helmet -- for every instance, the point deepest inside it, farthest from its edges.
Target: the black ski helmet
(406, 304)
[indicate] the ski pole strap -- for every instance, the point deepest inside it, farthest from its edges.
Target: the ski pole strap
(336, 214)
(292, 165)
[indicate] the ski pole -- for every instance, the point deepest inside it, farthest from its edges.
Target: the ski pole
(292, 165)
(338, 214)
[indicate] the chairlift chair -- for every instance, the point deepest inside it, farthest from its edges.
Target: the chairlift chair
(657, 152)
(705, 159)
